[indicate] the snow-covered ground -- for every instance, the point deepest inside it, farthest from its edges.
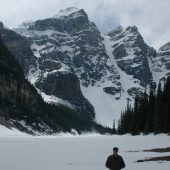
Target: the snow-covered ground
(5, 132)
(107, 108)
(87, 152)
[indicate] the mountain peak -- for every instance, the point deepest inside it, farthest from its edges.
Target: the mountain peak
(26, 24)
(71, 12)
(165, 47)
(120, 29)
(132, 29)
(116, 30)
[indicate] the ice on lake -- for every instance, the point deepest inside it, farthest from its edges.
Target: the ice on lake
(88, 152)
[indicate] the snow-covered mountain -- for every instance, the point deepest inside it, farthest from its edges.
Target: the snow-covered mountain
(65, 45)
(160, 63)
(130, 53)
(76, 63)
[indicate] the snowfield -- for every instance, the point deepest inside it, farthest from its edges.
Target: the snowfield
(107, 108)
(86, 152)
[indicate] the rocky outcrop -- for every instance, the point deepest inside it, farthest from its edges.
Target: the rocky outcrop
(112, 90)
(131, 52)
(160, 63)
(135, 92)
(67, 87)
(71, 20)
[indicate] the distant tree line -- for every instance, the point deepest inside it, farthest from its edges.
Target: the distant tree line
(150, 112)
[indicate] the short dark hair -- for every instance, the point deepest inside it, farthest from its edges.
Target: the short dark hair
(115, 149)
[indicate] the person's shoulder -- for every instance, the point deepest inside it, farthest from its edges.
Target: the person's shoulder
(119, 156)
(110, 156)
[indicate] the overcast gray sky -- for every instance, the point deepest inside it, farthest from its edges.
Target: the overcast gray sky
(151, 16)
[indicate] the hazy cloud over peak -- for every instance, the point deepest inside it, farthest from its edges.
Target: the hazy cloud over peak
(150, 16)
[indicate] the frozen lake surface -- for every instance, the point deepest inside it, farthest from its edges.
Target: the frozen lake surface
(78, 152)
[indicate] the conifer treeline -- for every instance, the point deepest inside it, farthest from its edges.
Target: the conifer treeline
(150, 113)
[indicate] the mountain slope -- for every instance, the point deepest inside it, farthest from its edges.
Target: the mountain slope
(19, 47)
(50, 76)
(70, 44)
(19, 100)
(23, 108)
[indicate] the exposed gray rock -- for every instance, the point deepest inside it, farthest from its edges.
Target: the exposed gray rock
(134, 91)
(112, 90)
(131, 52)
(67, 87)
(70, 38)
(164, 55)
(72, 23)
(160, 63)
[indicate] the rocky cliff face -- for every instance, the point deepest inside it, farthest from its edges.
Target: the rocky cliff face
(131, 52)
(67, 87)
(160, 63)
(70, 38)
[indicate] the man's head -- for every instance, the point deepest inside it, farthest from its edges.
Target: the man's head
(115, 151)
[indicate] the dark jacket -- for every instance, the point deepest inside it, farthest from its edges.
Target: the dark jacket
(115, 162)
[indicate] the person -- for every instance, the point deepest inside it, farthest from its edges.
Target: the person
(115, 161)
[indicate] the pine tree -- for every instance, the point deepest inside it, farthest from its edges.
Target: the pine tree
(151, 111)
(157, 117)
(166, 106)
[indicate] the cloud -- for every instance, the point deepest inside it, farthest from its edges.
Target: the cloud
(151, 16)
